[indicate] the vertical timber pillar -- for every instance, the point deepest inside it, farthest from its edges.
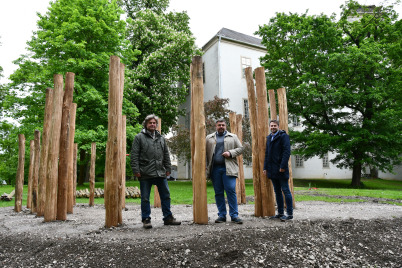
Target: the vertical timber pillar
(19, 180)
(240, 160)
(233, 129)
(30, 172)
(70, 168)
(113, 147)
(124, 159)
(34, 204)
(267, 193)
(252, 106)
(53, 150)
(44, 152)
(92, 175)
(75, 171)
(199, 154)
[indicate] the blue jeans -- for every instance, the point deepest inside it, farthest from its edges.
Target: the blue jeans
(164, 193)
(282, 185)
(223, 183)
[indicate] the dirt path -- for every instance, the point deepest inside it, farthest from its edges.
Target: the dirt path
(323, 234)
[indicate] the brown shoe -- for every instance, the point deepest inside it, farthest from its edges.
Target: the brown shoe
(147, 223)
(171, 221)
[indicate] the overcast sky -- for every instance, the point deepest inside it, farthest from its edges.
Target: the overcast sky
(18, 19)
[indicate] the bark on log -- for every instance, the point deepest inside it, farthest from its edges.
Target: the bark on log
(30, 171)
(113, 147)
(53, 151)
(35, 177)
(199, 153)
(70, 169)
(19, 180)
(123, 160)
(267, 191)
(239, 124)
(75, 170)
(92, 175)
(233, 129)
(44, 152)
(252, 107)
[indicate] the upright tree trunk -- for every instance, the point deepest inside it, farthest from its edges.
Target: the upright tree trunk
(92, 175)
(30, 173)
(19, 180)
(34, 204)
(239, 123)
(70, 178)
(357, 173)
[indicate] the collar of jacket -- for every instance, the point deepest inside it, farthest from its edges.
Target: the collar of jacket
(280, 133)
(144, 131)
(213, 135)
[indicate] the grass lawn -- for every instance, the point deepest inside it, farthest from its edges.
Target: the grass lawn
(181, 191)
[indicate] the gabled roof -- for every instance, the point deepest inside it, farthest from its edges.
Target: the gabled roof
(236, 37)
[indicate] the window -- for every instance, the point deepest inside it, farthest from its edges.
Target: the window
(245, 62)
(325, 161)
(299, 161)
(245, 107)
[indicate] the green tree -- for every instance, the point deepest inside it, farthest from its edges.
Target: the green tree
(160, 78)
(343, 79)
(76, 36)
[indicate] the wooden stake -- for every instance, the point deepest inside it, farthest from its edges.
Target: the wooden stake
(267, 191)
(30, 173)
(240, 161)
(192, 135)
(284, 125)
(92, 175)
(199, 153)
(120, 181)
(64, 154)
(70, 169)
(34, 204)
(44, 152)
(252, 107)
(19, 180)
(123, 163)
(233, 129)
(157, 198)
(53, 150)
(272, 104)
(113, 147)
(75, 171)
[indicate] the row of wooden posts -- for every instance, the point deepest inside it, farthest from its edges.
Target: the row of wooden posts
(53, 165)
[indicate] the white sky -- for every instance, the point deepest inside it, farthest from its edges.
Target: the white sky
(18, 19)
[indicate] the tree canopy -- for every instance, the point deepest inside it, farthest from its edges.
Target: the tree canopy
(343, 78)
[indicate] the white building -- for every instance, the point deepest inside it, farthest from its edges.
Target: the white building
(225, 57)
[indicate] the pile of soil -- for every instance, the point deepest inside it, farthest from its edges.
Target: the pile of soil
(321, 235)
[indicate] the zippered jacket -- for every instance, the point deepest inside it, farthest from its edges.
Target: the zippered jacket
(232, 145)
(150, 157)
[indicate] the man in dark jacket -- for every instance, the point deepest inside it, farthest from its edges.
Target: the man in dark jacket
(150, 162)
(277, 153)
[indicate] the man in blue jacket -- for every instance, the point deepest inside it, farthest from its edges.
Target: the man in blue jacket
(277, 153)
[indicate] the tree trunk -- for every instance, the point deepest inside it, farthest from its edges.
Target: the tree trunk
(357, 173)
(30, 173)
(83, 167)
(92, 175)
(70, 180)
(34, 204)
(19, 181)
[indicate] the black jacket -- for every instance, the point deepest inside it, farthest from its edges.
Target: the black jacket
(277, 153)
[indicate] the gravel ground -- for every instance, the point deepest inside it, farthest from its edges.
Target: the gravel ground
(321, 235)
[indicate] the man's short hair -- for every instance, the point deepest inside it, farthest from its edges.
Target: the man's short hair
(149, 117)
(220, 120)
(274, 121)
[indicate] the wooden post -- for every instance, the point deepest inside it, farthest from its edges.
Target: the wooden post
(233, 129)
(284, 125)
(192, 136)
(64, 154)
(157, 198)
(124, 158)
(44, 152)
(34, 204)
(70, 169)
(120, 181)
(75, 171)
(53, 150)
(272, 104)
(92, 175)
(19, 180)
(240, 160)
(252, 107)
(199, 154)
(30, 173)
(113, 147)
(267, 191)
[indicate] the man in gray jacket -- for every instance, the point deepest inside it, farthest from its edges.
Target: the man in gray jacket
(150, 162)
(222, 148)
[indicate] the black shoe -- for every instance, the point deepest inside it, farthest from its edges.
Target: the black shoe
(171, 221)
(220, 220)
(237, 220)
(286, 218)
(277, 216)
(147, 223)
